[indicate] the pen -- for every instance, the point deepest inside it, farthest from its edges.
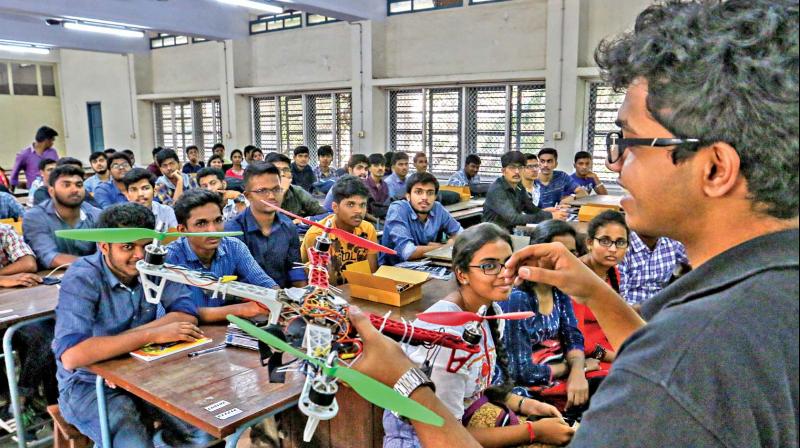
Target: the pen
(216, 348)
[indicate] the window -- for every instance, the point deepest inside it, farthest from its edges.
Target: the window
(404, 6)
(601, 119)
(181, 123)
(167, 40)
(317, 19)
(493, 120)
(48, 80)
(95, 126)
(24, 77)
(478, 2)
(282, 122)
(5, 79)
(277, 22)
(196, 40)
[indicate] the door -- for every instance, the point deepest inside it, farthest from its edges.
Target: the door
(95, 126)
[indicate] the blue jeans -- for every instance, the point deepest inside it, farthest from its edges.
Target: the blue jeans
(126, 418)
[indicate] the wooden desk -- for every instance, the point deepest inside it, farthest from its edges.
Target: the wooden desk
(599, 200)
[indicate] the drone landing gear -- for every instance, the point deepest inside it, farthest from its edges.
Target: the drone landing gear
(318, 402)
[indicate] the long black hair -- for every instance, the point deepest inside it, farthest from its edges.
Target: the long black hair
(466, 245)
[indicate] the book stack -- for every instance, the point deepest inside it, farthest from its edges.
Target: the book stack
(236, 337)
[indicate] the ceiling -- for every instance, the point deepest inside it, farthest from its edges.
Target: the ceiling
(24, 20)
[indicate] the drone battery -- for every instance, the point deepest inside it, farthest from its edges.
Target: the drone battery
(319, 398)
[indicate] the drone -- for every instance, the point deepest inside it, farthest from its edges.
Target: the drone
(314, 318)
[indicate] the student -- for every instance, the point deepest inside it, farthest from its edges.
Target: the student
(554, 186)
(468, 177)
(349, 208)
(67, 210)
(248, 155)
(216, 161)
(357, 165)
(194, 162)
(421, 162)
(219, 150)
(529, 175)
(153, 167)
(102, 314)
(140, 188)
(132, 157)
(46, 166)
(270, 236)
(378, 190)
(419, 223)
(17, 261)
(236, 171)
(42, 193)
(295, 198)
(214, 180)
(10, 207)
(325, 174)
(172, 183)
(507, 204)
(112, 191)
(397, 180)
(200, 210)
(584, 177)
(28, 159)
(302, 173)
(256, 155)
(478, 257)
(99, 164)
(648, 266)
(387, 163)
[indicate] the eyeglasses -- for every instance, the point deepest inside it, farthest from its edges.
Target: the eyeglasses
(490, 267)
(616, 144)
(267, 191)
(608, 242)
(120, 166)
(285, 171)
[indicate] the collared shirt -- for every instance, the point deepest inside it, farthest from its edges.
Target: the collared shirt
(300, 202)
(403, 230)
(165, 188)
(93, 302)
(460, 179)
(303, 177)
(107, 194)
(587, 183)
(231, 258)
(342, 252)
(716, 364)
(93, 182)
(12, 246)
(33, 188)
(397, 186)
(9, 207)
(643, 272)
(509, 206)
(40, 224)
(560, 186)
(277, 253)
(324, 181)
(378, 192)
(533, 193)
(153, 168)
(28, 160)
(165, 214)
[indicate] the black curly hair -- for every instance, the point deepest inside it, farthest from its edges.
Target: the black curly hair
(721, 71)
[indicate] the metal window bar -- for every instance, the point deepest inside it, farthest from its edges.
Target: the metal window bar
(527, 117)
(291, 123)
(486, 120)
(443, 126)
(178, 124)
(601, 119)
(407, 120)
(343, 128)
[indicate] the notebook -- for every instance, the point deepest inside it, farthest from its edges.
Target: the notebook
(152, 352)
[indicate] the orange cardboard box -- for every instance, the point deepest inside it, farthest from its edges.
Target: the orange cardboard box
(389, 284)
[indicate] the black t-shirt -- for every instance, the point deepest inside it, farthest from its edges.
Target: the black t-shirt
(717, 365)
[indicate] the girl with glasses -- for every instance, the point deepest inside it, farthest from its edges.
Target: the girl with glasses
(494, 416)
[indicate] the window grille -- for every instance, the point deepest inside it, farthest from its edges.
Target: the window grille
(181, 123)
(601, 119)
(527, 117)
(443, 124)
(277, 22)
(405, 6)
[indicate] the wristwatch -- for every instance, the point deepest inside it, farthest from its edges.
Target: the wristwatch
(413, 379)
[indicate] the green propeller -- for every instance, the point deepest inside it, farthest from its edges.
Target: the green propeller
(128, 235)
(369, 388)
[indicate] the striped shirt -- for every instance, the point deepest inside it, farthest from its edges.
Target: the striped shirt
(13, 247)
(643, 272)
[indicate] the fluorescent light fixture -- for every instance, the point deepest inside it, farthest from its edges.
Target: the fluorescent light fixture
(104, 22)
(254, 5)
(121, 32)
(23, 49)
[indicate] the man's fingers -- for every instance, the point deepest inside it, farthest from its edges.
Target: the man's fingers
(363, 325)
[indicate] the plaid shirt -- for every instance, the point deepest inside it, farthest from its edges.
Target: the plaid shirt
(13, 247)
(9, 207)
(643, 273)
(165, 188)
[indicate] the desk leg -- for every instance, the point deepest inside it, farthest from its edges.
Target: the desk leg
(11, 373)
(102, 412)
(232, 440)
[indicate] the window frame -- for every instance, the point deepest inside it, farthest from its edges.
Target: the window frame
(196, 118)
(325, 22)
(389, 3)
(590, 133)
(266, 19)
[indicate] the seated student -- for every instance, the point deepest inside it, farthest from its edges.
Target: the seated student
(421, 162)
(478, 257)
(67, 210)
(237, 168)
(349, 208)
(99, 164)
(379, 198)
(219, 150)
(213, 179)
(193, 160)
(468, 177)
(302, 173)
(17, 261)
(529, 175)
(554, 321)
(216, 161)
(153, 167)
(10, 207)
(507, 204)
(248, 150)
(396, 182)
(417, 224)
(295, 198)
(554, 186)
(43, 193)
(131, 156)
(256, 155)
(387, 163)
(648, 266)
(271, 236)
(113, 191)
(46, 166)
(358, 166)
(201, 211)
(140, 188)
(172, 183)
(324, 173)
(583, 177)
(102, 314)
